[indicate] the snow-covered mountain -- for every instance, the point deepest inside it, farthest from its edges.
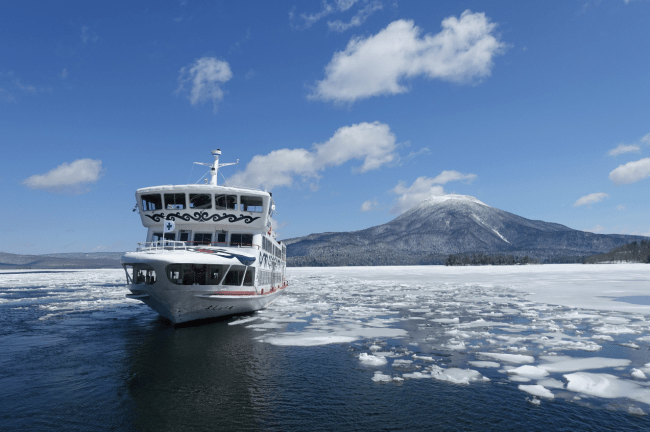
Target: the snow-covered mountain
(449, 224)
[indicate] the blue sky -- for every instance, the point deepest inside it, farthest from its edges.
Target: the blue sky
(350, 112)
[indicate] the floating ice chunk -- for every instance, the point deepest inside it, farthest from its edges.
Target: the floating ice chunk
(636, 373)
(417, 375)
(609, 329)
(455, 344)
(570, 364)
(456, 375)
(606, 386)
(401, 362)
(602, 337)
(372, 360)
(529, 371)
(518, 378)
(551, 383)
(537, 390)
(534, 401)
(636, 410)
(482, 323)
(629, 345)
(417, 357)
(509, 358)
(484, 364)
(446, 320)
(374, 347)
(380, 377)
(306, 339)
(244, 320)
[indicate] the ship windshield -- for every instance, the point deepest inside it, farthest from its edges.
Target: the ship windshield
(140, 274)
(151, 202)
(252, 204)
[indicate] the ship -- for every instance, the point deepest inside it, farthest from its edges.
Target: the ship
(211, 251)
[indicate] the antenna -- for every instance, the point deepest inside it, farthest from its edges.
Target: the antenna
(214, 167)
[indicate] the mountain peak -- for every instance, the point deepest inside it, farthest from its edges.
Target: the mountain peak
(449, 198)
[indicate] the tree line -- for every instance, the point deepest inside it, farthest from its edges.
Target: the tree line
(631, 252)
(488, 259)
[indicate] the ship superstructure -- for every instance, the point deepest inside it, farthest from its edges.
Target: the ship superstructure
(210, 250)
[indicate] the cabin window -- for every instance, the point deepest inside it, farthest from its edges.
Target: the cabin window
(175, 201)
(235, 275)
(216, 273)
(195, 274)
(221, 237)
(151, 202)
(252, 204)
(201, 201)
(241, 240)
(175, 273)
(202, 239)
(143, 274)
(184, 236)
(249, 277)
(226, 202)
(284, 252)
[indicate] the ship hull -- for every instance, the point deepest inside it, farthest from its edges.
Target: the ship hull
(180, 306)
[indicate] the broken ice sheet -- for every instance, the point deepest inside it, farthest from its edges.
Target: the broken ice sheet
(494, 325)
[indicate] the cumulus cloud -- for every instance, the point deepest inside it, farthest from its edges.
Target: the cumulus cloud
(204, 77)
(590, 199)
(462, 52)
(620, 207)
(596, 229)
(622, 148)
(631, 172)
(373, 143)
(423, 188)
(68, 177)
(358, 19)
(369, 205)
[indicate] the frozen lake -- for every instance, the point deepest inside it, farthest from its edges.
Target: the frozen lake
(532, 347)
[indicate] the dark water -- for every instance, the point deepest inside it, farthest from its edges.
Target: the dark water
(123, 368)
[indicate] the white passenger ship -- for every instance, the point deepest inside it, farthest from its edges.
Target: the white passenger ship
(211, 250)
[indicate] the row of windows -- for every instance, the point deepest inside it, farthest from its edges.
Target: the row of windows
(270, 247)
(217, 239)
(270, 278)
(204, 274)
(180, 201)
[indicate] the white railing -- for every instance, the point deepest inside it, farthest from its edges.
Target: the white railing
(161, 245)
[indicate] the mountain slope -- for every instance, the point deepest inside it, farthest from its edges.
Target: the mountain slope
(451, 224)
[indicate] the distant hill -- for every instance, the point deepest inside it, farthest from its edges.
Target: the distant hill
(445, 225)
(61, 260)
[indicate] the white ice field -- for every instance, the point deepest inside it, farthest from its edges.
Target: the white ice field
(578, 332)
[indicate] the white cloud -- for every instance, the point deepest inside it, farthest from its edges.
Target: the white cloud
(590, 199)
(646, 139)
(373, 143)
(205, 77)
(447, 176)
(596, 229)
(620, 207)
(327, 9)
(357, 20)
(64, 73)
(423, 188)
(461, 52)
(622, 148)
(68, 177)
(369, 205)
(631, 172)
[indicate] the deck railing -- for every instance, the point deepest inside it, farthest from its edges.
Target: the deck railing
(163, 245)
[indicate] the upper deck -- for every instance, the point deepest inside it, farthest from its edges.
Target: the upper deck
(216, 207)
